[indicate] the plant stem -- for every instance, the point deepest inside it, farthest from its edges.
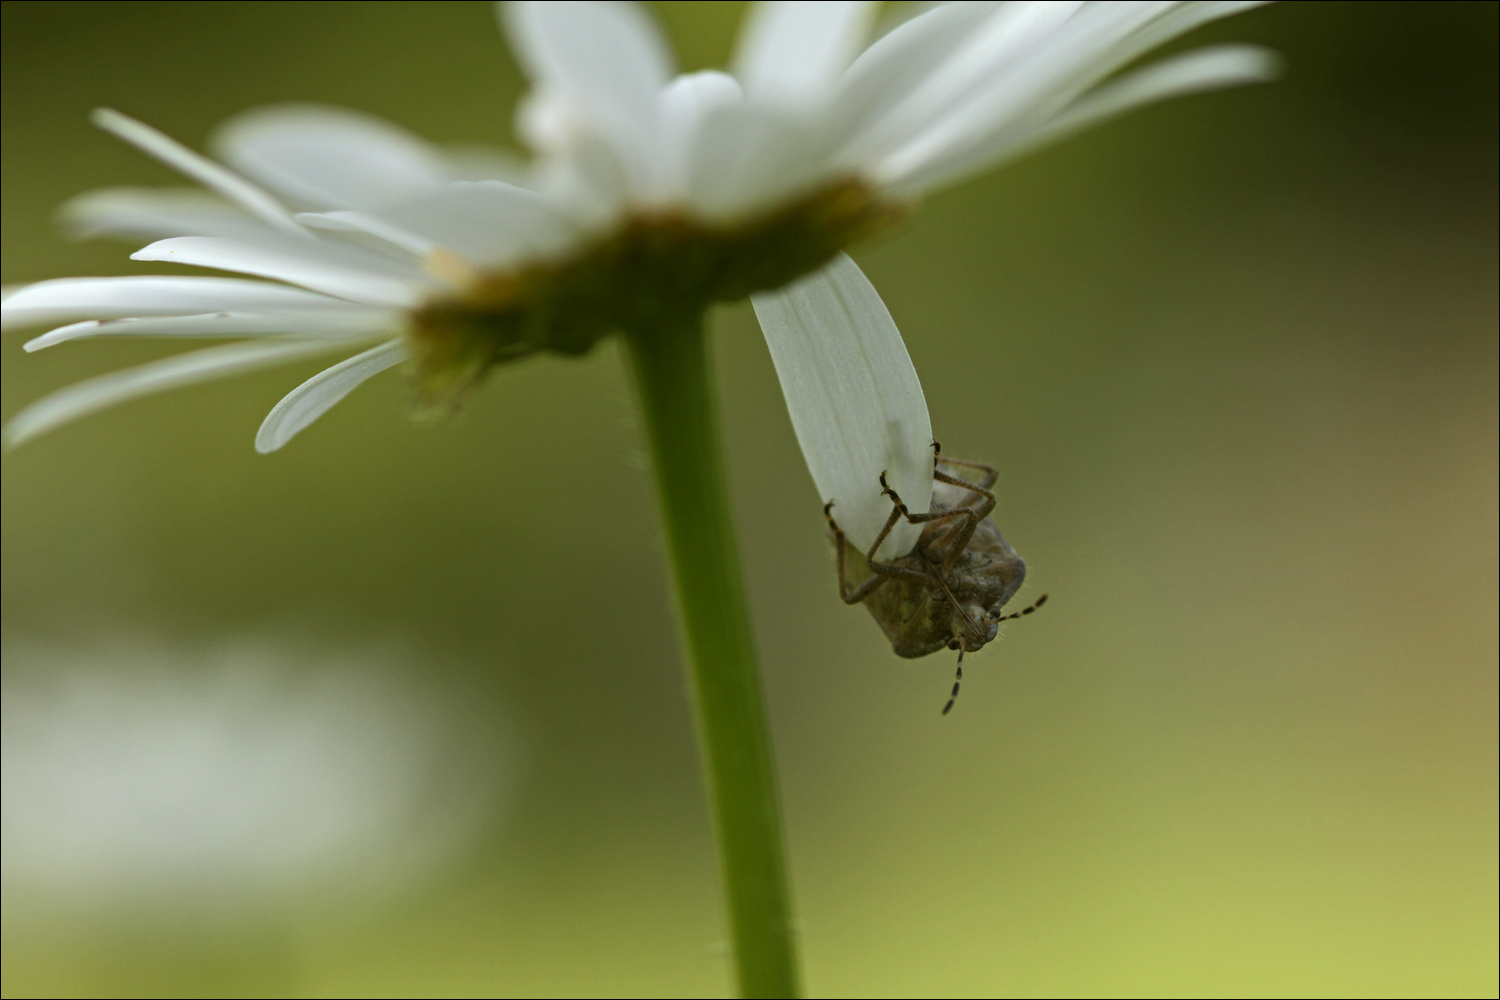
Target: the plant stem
(675, 385)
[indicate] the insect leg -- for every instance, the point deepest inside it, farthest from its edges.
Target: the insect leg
(957, 537)
(990, 472)
(972, 515)
(937, 515)
(866, 588)
(898, 512)
(943, 477)
(890, 523)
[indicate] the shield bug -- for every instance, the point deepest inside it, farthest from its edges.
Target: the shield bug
(948, 591)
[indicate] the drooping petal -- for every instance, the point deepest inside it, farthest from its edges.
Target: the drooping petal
(854, 398)
(144, 213)
(62, 300)
(91, 395)
(326, 158)
(319, 394)
(353, 322)
(791, 53)
(200, 168)
(320, 268)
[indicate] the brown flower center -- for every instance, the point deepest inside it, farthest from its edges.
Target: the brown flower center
(653, 267)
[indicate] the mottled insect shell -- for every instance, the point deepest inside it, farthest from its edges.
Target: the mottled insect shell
(917, 616)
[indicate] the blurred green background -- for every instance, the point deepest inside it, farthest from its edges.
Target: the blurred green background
(1236, 359)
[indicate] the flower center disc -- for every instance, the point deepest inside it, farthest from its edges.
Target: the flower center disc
(652, 269)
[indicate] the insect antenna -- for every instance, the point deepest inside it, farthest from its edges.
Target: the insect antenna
(1025, 611)
(958, 679)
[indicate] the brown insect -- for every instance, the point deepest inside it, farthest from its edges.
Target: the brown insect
(948, 591)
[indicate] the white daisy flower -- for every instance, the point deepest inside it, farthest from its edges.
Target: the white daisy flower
(651, 194)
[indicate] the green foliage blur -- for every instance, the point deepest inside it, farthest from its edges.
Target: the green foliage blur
(1236, 359)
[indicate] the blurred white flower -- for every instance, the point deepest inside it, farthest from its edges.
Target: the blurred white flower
(139, 775)
(649, 193)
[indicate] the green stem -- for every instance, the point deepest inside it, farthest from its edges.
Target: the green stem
(675, 384)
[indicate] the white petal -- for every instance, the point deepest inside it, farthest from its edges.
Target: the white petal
(200, 168)
(791, 53)
(609, 51)
(487, 222)
(66, 299)
(889, 70)
(319, 268)
(1016, 102)
(83, 398)
(353, 322)
(893, 16)
(854, 398)
(747, 158)
(1201, 69)
(468, 162)
(608, 59)
(330, 158)
(319, 394)
(549, 120)
(155, 214)
(1009, 57)
(588, 183)
(363, 222)
(1117, 35)
(1180, 19)
(682, 106)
